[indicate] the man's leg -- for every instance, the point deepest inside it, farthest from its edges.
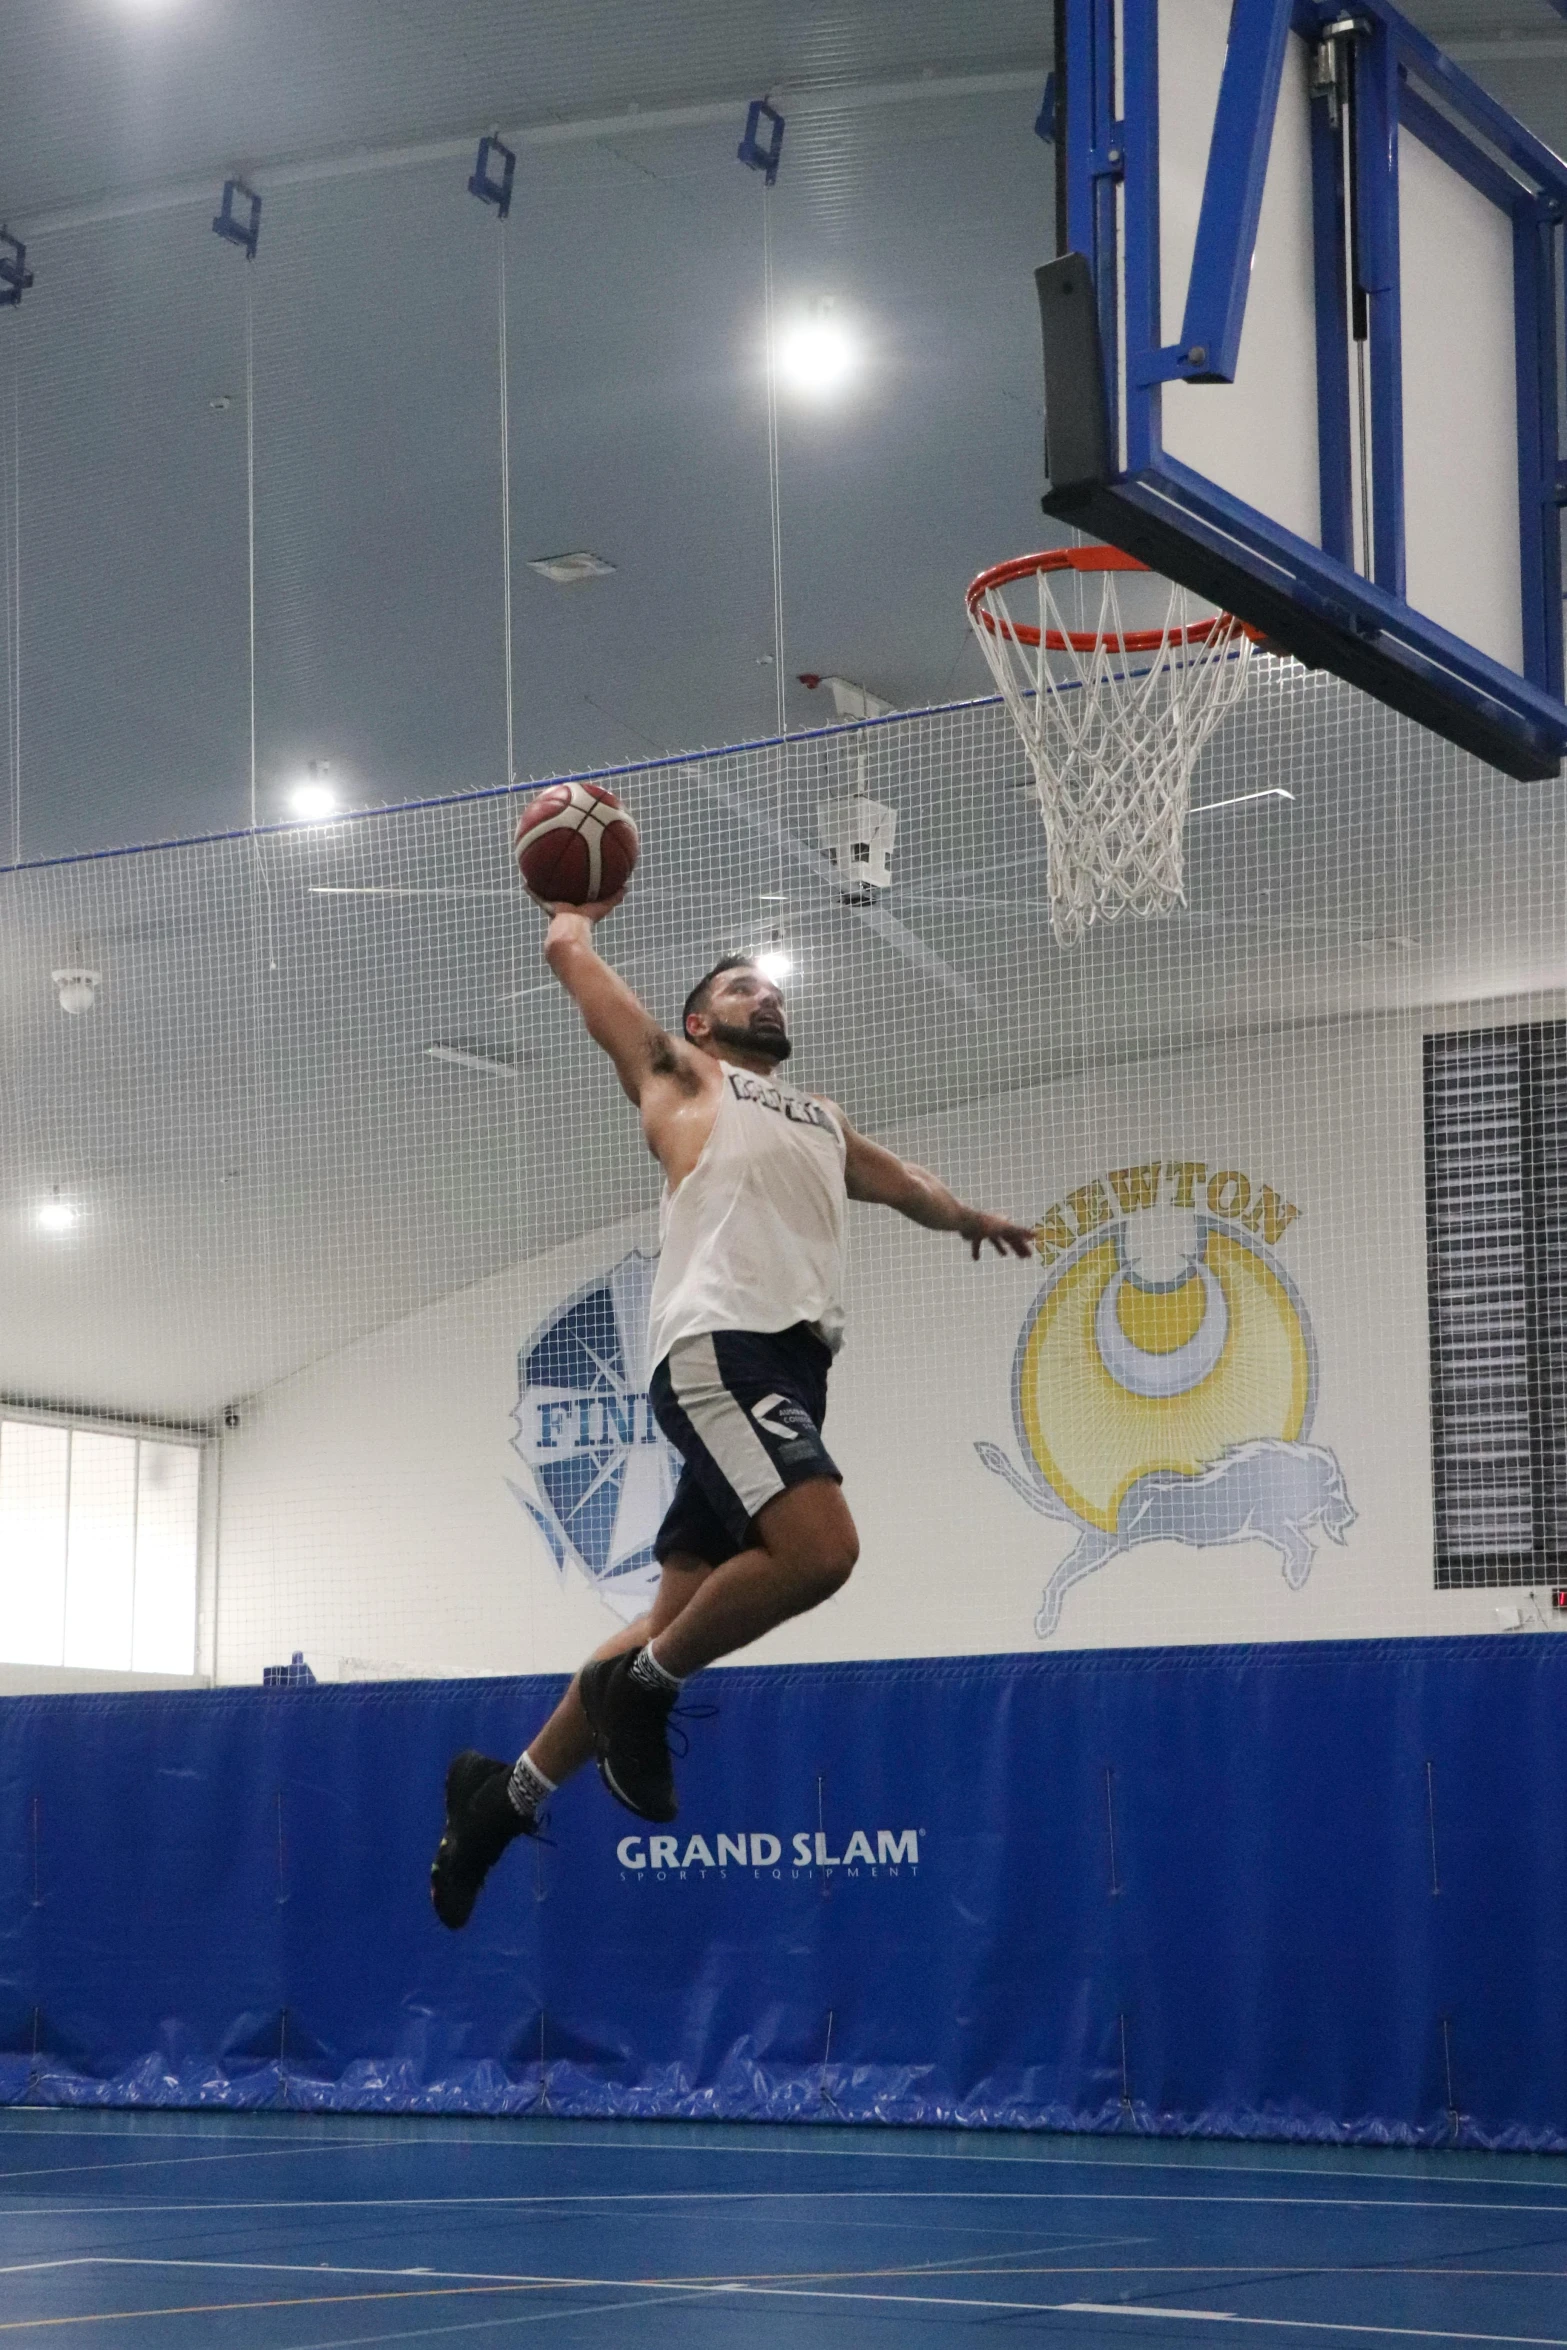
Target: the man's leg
(803, 1551)
(489, 1803)
(565, 1743)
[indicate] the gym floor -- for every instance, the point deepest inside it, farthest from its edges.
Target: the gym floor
(288, 2232)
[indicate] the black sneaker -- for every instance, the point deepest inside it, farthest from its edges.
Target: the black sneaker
(629, 1722)
(481, 1821)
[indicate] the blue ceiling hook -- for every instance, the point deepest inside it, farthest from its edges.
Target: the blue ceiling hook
(15, 276)
(751, 151)
(1045, 119)
(245, 233)
(489, 189)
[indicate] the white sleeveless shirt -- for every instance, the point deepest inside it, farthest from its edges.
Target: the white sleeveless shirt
(753, 1238)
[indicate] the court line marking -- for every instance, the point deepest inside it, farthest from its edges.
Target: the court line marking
(1315, 2325)
(1061, 2243)
(60, 2170)
(512, 2317)
(518, 2277)
(466, 2280)
(1310, 2325)
(1146, 2309)
(665, 2195)
(1368, 2270)
(786, 2279)
(98, 2317)
(1315, 2154)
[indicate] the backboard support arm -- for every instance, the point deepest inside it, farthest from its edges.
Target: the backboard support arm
(1209, 348)
(1335, 604)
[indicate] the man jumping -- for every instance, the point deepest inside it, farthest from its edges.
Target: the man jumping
(746, 1316)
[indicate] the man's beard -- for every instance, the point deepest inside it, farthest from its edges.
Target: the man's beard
(770, 1041)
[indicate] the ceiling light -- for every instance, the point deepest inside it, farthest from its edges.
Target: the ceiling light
(56, 1215)
(815, 354)
(76, 988)
(312, 798)
(491, 1060)
(1245, 799)
(570, 570)
(775, 963)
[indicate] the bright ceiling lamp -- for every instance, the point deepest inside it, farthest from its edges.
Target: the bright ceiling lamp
(57, 1215)
(816, 354)
(312, 798)
(775, 963)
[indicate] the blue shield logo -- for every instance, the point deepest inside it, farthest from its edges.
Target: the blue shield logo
(603, 1473)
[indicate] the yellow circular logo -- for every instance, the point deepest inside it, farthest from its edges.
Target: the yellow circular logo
(1158, 1351)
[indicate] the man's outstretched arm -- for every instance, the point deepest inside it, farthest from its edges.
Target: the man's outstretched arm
(886, 1181)
(614, 1016)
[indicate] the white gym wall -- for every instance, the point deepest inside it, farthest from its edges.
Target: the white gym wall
(368, 1515)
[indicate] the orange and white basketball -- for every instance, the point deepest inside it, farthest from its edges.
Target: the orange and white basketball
(575, 844)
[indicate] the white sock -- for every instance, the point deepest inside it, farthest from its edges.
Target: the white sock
(646, 1668)
(528, 1787)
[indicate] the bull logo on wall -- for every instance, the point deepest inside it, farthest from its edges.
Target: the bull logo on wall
(603, 1473)
(1166, 1378)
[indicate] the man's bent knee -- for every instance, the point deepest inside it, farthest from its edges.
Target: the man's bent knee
(832, 1570)
(833, 1559)
(809, 1532)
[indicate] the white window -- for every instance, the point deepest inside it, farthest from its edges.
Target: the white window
(98, 1548)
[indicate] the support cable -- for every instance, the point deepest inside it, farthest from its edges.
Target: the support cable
(511, 757)
(250, 579)
(13, 617)
(772, 459)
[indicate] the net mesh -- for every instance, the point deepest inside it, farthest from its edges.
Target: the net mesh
(1113, 720)
(360, 1213)
(357, 1198)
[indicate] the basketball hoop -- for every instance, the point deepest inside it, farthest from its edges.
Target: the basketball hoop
(1112, 725)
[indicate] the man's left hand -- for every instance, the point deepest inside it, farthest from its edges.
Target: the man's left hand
(1005, 1237)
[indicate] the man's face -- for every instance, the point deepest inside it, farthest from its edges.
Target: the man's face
(746, 1012)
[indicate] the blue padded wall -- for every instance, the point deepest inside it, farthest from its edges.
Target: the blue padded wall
(1314, 1891)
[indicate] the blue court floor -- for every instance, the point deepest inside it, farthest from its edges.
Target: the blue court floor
(281, 2232)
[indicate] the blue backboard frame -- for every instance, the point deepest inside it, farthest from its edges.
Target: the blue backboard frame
(1311, 599)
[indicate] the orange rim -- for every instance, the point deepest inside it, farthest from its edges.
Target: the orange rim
(1094, 558)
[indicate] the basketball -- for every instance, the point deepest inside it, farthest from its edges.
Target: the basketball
(575, 844)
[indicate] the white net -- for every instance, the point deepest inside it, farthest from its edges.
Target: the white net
(1113, 718)
(361, 1209)
(344, 1200)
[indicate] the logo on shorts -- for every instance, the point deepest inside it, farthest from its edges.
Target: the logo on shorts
(603, 1473)
(1166, 1378)
(781, 1416)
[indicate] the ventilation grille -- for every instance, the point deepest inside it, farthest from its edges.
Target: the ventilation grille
(1496, 1186)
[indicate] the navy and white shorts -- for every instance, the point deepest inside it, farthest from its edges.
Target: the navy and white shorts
(744, 1410)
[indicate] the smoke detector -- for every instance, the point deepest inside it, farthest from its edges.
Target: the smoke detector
(76, 988)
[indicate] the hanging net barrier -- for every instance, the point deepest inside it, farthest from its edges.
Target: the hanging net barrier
(360, 1211)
